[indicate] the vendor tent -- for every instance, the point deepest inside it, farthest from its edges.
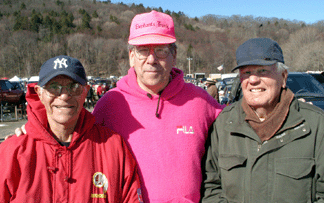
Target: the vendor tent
(15, 79)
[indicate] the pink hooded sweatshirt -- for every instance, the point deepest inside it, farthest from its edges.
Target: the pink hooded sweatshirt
(165, 132)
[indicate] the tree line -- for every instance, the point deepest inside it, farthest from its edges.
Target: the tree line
(96, 32)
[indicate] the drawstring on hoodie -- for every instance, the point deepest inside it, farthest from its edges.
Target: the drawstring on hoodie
(157, 108)
(158, 104)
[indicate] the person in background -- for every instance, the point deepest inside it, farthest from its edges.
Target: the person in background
(89, 99)
(100, 91)
(65, 156)
(164, 120)
(212, 89)
(268, 146)
(112, 85)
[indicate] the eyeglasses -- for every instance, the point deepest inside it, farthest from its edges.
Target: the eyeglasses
(161, 52)
(54, 89)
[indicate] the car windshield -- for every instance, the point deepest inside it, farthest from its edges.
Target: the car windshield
(318, 77)
(304, 85)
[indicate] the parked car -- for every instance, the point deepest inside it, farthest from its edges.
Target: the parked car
(301, 84)
(19, 85)
(11, 94)
(319, 77)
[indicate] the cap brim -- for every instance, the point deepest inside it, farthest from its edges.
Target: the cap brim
(71, 75)
(152, 39)
(256, 62)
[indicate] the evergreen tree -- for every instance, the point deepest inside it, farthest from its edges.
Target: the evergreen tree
(35, 22)
(22, 6)
(95, 14)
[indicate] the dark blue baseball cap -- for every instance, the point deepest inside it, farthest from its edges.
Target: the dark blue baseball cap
(258, 51)
(62, 65)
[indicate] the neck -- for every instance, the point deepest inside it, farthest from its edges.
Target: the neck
(155, 89)
(62, 133)
(260, 113)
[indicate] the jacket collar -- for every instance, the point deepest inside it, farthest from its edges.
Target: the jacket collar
(238, 126)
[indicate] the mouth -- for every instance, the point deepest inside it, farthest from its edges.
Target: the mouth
(257, 90)
(64, 107)
(152, 71)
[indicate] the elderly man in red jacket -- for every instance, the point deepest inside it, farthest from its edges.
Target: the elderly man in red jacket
(65, 156)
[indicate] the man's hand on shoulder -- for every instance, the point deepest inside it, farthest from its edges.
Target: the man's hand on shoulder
(18, 132)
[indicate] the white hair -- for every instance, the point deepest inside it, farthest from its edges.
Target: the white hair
(281, 67)
(41, 89)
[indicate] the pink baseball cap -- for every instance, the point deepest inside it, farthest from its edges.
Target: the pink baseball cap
(152, 28)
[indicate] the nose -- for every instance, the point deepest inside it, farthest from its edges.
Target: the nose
(151, 57)
(254, 79)
(65, 93)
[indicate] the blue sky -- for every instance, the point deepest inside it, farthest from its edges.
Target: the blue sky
(300, 10)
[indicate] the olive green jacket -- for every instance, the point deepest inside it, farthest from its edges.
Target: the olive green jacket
(287, 168)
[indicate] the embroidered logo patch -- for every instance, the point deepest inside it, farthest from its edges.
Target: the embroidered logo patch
(185, 130)
(60, 63)
(100, 181)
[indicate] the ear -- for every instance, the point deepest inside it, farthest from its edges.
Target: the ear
(131, 55)
(285, 76)
(39, 92)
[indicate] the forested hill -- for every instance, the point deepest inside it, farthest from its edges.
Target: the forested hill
(96, 32)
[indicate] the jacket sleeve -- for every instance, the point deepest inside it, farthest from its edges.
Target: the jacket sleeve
(212, 184)
(132, 186)
(9, 178)
(319, 174)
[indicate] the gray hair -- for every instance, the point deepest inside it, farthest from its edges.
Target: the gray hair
(41, 89)
(281, 67)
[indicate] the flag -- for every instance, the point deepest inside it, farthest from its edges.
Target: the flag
(220, 67)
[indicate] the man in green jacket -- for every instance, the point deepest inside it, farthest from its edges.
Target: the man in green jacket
(267, 147)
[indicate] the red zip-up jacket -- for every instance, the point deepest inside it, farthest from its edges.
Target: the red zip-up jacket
(96, 167)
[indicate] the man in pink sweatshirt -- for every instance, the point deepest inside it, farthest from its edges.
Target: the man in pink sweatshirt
(163, 120)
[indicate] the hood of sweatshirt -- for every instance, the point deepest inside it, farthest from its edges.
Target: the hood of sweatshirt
(129, 85)
(37, 125)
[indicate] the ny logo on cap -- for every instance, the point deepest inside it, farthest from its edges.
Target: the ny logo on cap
(60, 63)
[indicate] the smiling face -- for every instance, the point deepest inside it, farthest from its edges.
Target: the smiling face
(65, 108)
(153, 73)
(261, 85)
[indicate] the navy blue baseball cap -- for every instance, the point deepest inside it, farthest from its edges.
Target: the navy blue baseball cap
(62, 65)
(258, 51)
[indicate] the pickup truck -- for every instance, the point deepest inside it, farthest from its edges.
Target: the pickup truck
(11, 94)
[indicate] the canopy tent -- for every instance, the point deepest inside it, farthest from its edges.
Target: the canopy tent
(15, 79)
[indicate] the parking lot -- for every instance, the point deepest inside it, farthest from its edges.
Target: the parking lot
(8, 127)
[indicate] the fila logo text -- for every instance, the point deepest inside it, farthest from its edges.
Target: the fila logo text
(185, 130)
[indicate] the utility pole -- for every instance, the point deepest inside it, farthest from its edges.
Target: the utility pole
(189, 59)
